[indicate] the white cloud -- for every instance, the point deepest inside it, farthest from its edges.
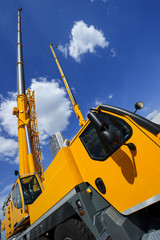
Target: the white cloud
(102, 1)
(52, 106)
(98, 102)
(7, 120)
(63, 49)
(154, 116)
(110, 96)
(113, 52)
(3, 195)
(156, 119)
(6, 189)
(83, 39)
(9, 150)
(15, 161)
(53, 112)
(8, 147)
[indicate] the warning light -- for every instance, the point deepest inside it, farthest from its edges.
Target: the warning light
(82, 212)
(89, 191)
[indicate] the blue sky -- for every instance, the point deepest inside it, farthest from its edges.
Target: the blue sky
(109, 51)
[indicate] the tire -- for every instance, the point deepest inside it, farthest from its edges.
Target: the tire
(73, 229)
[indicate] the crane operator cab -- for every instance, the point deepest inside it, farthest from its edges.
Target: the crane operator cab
(24, 192)
(30, 188)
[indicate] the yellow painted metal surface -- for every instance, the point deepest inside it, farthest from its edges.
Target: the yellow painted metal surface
(79, 115)
(61, 176)
(29, 154)
(23, 152)
(22, 122)
(74, 103)
(26, 162)
(130, 177)
(13, 215)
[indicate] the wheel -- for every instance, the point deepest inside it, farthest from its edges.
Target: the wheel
(73, 229)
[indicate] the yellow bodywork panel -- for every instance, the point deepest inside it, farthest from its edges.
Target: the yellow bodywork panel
(23, 152)
(61, 176)
(22, 110)
(27, 163)
(130, 177)
(22, 122)
(15, 212)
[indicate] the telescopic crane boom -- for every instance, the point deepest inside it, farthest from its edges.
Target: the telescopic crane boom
(73, 100)
(27, 161)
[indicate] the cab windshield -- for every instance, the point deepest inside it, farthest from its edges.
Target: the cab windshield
(31, 189)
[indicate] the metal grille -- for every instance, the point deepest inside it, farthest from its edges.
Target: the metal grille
(153, 235)
(34, 135)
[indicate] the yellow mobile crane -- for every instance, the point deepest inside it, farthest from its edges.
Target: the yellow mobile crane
(102, 185)
(28, 185)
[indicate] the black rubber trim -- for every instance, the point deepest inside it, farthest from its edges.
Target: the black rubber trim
(63, 213)
(77, 188)
(81, 186)
(143, 122)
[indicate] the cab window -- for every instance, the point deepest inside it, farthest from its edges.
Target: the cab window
(31, 189)
(92, 142)
(16, 197)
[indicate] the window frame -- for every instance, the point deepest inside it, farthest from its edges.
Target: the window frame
(150, 126)
(14, 195)
(38, 184)
(118, 145)
(17, 186)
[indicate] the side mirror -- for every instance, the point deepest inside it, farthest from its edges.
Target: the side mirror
(16, 173)
(97, 121)
(107, 136)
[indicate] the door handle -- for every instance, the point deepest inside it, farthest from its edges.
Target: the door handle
(100, 185)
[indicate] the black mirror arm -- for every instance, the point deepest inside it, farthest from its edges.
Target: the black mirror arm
(131, 146)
